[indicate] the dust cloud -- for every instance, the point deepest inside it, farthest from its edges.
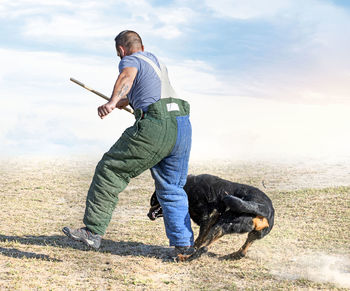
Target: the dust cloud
(318, 268)
(244, 128)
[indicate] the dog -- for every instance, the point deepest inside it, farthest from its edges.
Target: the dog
(223, 207)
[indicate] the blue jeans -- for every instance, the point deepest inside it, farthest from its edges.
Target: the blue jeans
(170, 176)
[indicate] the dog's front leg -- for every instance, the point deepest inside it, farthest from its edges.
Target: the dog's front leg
(205, 231)
(205, 228)
(213, 234)
(252, 236)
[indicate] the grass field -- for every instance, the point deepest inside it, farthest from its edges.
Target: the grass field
(308, 248)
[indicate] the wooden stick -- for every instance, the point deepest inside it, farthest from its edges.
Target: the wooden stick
(97, 93)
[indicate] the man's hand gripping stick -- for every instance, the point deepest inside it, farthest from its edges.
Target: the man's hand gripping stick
(97, 93)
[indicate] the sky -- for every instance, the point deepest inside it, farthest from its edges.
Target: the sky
(265, 79)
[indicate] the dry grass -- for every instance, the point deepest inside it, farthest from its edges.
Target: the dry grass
(307, 249)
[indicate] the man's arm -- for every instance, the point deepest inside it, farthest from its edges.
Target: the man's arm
(121, 88)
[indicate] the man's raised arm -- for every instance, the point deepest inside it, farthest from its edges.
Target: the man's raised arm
(121, 89)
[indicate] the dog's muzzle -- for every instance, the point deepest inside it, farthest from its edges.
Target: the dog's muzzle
(155, 212)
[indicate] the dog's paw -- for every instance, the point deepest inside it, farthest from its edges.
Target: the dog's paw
(211, 255)
(234, 256)
(182, 258)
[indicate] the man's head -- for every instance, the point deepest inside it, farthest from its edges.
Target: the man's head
(128, 42)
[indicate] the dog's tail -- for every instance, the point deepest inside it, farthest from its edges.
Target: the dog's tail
(238, 205)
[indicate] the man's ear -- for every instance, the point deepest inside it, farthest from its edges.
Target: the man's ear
(121, 51)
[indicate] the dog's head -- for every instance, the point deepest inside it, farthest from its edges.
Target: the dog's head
(156, 210)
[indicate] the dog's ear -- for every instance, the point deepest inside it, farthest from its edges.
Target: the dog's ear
(154, 200)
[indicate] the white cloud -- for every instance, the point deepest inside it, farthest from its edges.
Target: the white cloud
(90, 23)
(82, 30)
(175, 15)
(248, 9)
(22, 8)
(167, 32)
(189, 76)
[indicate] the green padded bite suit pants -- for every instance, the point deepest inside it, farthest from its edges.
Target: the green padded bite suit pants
(146, 144)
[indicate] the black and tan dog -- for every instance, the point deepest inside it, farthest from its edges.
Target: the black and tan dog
(222, 207)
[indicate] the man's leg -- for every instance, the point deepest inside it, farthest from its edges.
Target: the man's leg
(170, 176)
(138, 149)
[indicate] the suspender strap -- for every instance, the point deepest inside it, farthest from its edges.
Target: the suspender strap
(167, 89)
(154, 66)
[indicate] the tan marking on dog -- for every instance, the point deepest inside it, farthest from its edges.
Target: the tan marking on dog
(245, 248)
(260, 222)
(214, 214)
(182, 258)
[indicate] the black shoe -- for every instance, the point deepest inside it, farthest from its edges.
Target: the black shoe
(84, 235)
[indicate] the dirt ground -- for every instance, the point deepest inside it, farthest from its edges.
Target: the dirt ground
(308, 248)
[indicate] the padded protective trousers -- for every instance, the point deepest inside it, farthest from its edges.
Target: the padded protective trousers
(160, 140)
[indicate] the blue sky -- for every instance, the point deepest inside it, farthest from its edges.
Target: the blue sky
(286, 56)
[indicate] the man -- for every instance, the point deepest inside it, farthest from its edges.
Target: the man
(160, 140)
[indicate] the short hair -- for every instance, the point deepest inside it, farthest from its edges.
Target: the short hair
(128, 39)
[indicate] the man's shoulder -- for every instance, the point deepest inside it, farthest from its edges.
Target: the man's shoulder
(134, 61)
(129, 61)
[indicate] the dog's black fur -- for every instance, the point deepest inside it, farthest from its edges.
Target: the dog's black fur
(222, 207)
